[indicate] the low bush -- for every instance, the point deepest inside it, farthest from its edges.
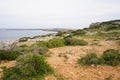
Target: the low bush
(28, 67)
(73, 41)
(111, 57)
(8, 54)
(42, 43)
(89, 59)
(22, 49)
(39, 49)
(24, 45)
(56, 42)
(79, 32)
(23, 39)
(112, 27)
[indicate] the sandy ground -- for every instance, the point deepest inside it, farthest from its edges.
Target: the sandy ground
(64, 60)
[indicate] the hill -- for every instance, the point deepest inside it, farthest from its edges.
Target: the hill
(109, 25)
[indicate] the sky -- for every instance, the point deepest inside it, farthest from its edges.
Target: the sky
(56, 13)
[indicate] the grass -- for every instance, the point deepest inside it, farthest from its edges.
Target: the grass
(103, 35)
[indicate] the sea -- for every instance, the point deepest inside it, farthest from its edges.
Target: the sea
(9, 34)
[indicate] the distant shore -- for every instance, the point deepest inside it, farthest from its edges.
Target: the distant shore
(52, 29)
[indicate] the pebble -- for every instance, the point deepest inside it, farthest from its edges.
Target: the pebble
(1, 70)
(99, 72)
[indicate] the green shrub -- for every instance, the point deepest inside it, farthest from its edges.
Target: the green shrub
(8, 54)
(60, 34)
(111, 57)
(42, 43)
(79, 32)
(73, 41)
(22, 49)
(24, 45)
(28, 67)
(89, 59)
(39, 50)
(112, 27)
(23, 39)
(56, 42)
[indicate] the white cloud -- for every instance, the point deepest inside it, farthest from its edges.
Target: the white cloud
(62, 12)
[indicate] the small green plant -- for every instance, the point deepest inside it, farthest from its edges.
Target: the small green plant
(42, 43)
(112, 27)
(111, 57)
(24, 45)
(22, 49)
(28, 67)
(89, 59)
(8, 54)
(73, 41)
(59, 77)
(108, 78)
(79, 32)
(24, 39)
(56, 42)
(39, 50)
(118, 43)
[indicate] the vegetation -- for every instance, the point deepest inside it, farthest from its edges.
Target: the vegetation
(79, 32)
(73, 41)
(108, 78)
(42, 43)
(59, 77)
(22, 49)
(29, 67)
(111, 57)
(56, 42)
(89, 59)
(38, 49)
(112, 27)
(8, 54)
(109, 25)
(23, 39)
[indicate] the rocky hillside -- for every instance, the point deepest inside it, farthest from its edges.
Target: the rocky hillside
(109, 25)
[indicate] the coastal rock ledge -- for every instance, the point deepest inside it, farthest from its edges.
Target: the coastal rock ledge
(8, 44)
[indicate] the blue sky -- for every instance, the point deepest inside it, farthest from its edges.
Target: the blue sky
(56, 13)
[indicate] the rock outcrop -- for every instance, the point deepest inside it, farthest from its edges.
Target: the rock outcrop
(8, 44)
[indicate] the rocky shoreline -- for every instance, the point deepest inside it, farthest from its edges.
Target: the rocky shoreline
(8, 44)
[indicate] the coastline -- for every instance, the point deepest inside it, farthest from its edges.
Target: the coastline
(52, 29)
(9, 44)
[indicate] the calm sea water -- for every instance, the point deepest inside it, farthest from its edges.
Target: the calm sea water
(16, 34)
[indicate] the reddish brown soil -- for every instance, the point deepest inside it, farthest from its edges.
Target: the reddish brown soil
(65, 62)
